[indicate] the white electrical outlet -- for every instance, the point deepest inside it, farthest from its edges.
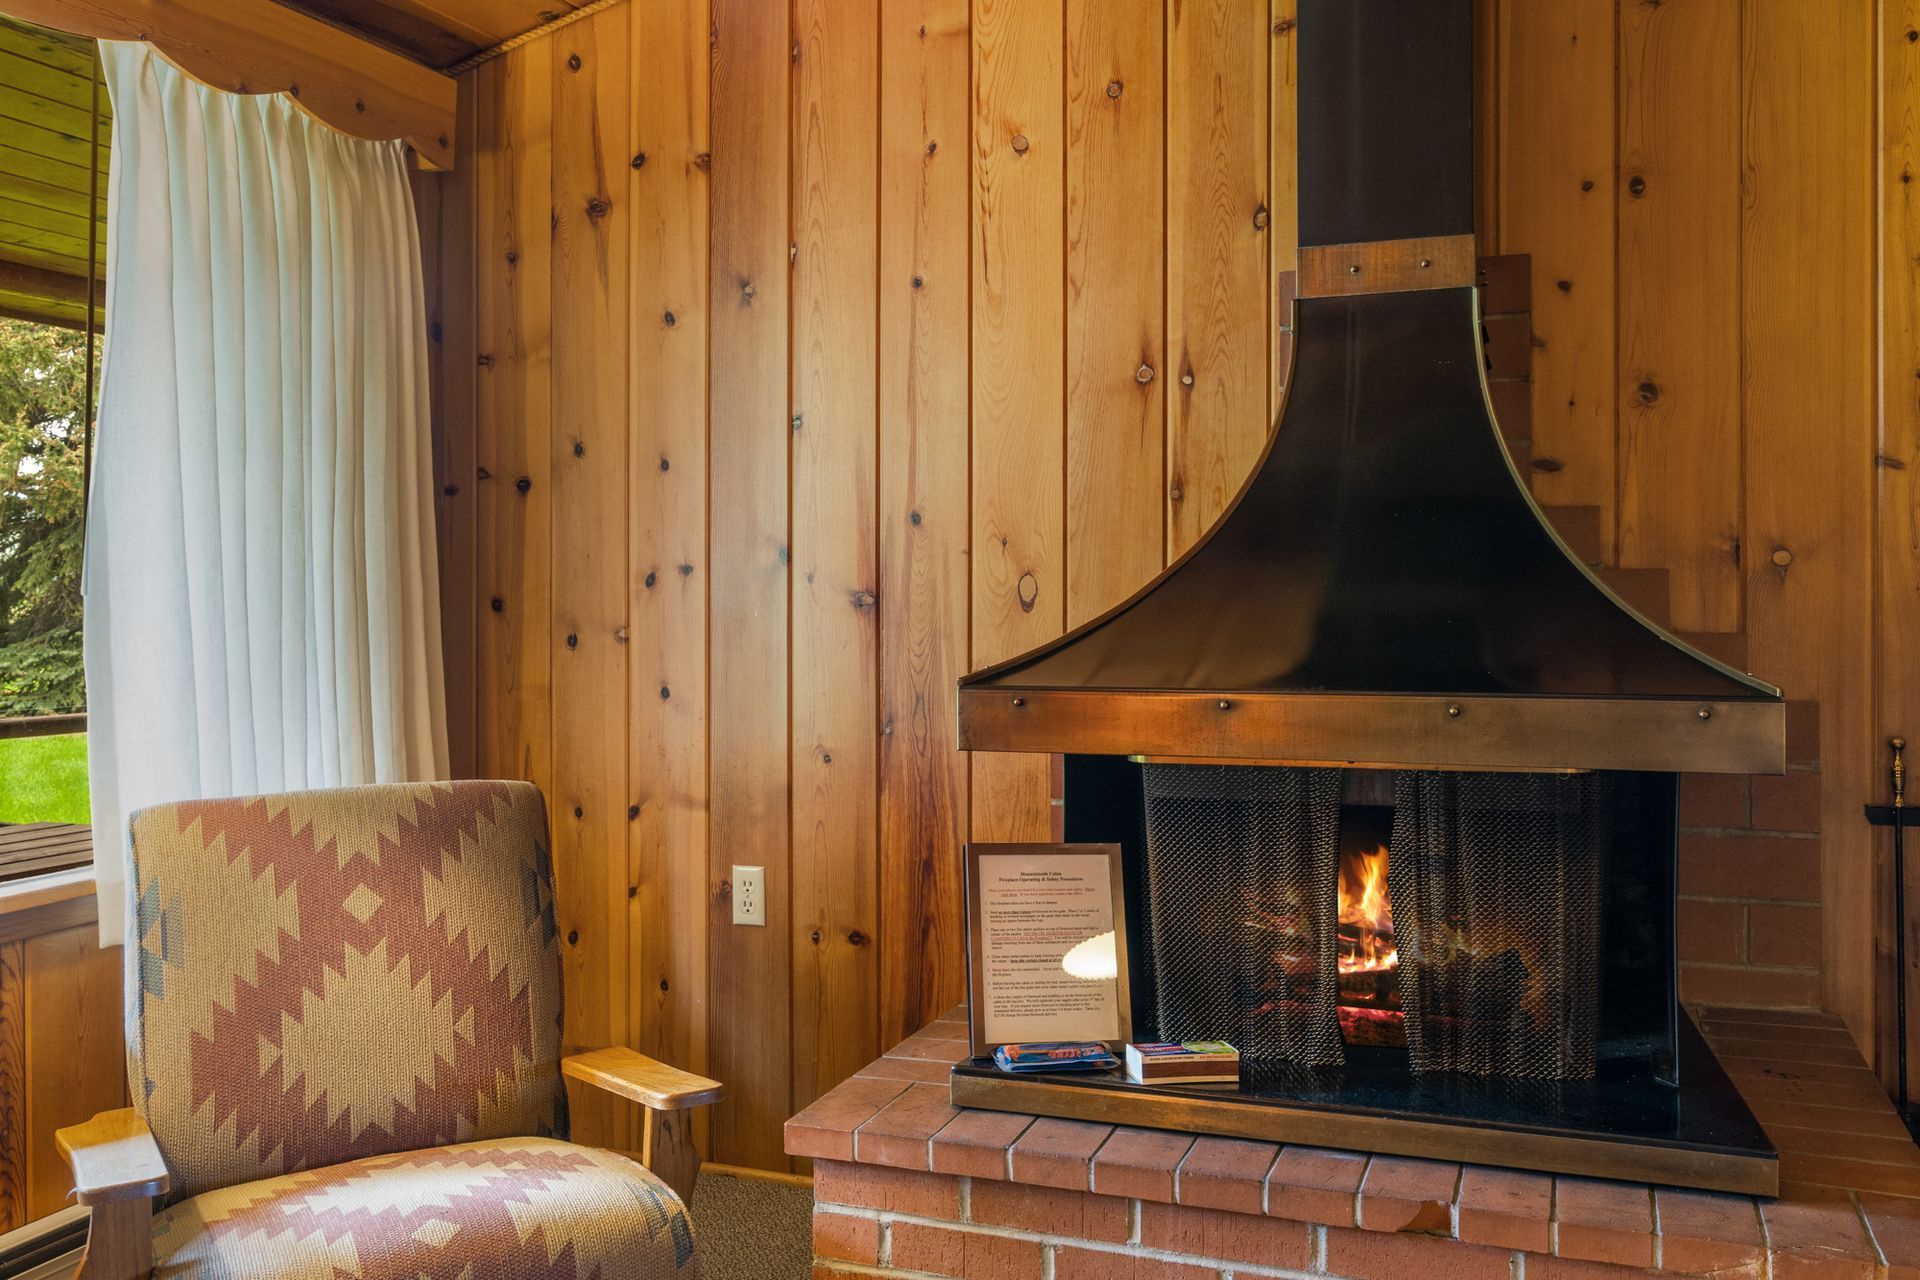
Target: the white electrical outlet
(750, 895)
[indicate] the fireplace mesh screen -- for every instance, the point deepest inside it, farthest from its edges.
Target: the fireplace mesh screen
(1495, 880)
(1495, 886)
(1243, 867)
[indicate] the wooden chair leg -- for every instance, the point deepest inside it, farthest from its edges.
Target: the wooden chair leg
(668, 1150)
(119, 1241)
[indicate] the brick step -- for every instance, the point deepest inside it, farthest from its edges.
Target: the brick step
(1728, 646)
(1580, 527)
(1512, 408)
(1644, 589)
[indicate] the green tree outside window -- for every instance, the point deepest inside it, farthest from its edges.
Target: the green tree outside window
(42, 527)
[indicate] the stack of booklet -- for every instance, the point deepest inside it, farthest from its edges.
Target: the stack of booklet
(1195, 1062)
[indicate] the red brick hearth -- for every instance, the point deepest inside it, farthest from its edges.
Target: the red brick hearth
(907, 1186)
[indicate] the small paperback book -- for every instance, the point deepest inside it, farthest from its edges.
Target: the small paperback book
(1195, 1062)
(1059, 1055)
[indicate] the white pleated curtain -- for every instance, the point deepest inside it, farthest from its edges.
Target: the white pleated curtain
(261, 584)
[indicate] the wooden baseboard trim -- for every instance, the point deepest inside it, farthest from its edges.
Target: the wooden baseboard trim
(756, 1175)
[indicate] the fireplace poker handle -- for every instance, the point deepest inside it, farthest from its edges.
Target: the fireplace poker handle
(1899, 746)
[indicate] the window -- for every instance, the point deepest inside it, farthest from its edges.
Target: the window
(55, 118)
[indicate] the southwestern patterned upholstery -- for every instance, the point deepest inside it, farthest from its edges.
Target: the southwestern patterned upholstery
(328, 990)
(511, 1207)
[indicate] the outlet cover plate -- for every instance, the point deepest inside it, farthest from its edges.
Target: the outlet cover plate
(750, 895)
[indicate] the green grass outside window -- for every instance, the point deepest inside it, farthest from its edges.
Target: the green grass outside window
(44, 779)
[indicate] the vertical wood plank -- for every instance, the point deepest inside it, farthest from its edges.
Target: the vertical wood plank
(923, 511)
(1897, 536)
(835, 551)
(667, 523)
(1218, 98)
(1283, 199)
(1116, 412)
(1679, 304)
(514, 118)
(75, 1056)
(1556, 122)
(452, 334)
(1019, 395)
(1807, 302)
(13, 1085)
(749, 710)
(1486, 126)
(591, 242)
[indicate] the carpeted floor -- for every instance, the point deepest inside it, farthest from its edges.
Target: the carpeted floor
(749, 1228)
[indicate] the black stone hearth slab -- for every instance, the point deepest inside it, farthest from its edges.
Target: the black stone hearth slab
(1624, 1124)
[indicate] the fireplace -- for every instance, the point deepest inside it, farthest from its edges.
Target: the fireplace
(1393, 772)
(1468, 965)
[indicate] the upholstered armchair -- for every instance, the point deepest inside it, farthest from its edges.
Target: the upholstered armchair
(343, 1044)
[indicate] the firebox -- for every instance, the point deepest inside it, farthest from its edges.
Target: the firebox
(1454, 918)
(1468, 965)
(1393, 772)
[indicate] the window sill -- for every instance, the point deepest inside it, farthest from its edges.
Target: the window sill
(28, 850)
(47, 903)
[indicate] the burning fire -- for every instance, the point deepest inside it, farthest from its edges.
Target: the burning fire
(1366, 915)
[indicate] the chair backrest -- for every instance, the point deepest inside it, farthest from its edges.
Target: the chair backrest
(326, 975)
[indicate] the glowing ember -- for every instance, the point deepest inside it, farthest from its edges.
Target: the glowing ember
(1366, 914)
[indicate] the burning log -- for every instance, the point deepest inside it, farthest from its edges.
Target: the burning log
(1369, 959)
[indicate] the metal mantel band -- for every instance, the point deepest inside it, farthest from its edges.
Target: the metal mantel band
(1414, 731)
(1386, 266)
(1390, 1135)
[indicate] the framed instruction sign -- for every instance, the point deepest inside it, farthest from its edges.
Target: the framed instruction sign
(1046, 944)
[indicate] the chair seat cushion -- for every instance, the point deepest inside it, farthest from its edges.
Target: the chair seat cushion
(504, 1209)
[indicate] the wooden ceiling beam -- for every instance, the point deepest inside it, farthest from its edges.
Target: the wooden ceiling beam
(426, 39)
(38, 312)
(35, 293)
(256, 46)
(40, 282)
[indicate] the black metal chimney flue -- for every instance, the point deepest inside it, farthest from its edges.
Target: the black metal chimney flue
(1385, 99)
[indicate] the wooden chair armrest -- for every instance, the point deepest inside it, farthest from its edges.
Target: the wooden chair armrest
(630, 1074)
(113, 1157)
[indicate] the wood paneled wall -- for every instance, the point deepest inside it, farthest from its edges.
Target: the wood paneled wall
(1695, 182)
(797, 358)
(62, 1055)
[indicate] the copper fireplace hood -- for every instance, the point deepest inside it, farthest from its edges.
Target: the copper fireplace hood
(1384, 589)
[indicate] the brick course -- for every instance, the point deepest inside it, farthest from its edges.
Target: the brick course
(1506, 1208)
(947, 1251)
(1227, 1173)
(1140, 1163)
(1087, 1264)
(1598, 1221)
(1079, 1214)
(1749, 863)
(1312, 1184)
(1404, 1194)
(1007, 1196)
(1513, 1226)
(1226, 1236)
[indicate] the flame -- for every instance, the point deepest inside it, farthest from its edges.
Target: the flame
(1366, 914)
